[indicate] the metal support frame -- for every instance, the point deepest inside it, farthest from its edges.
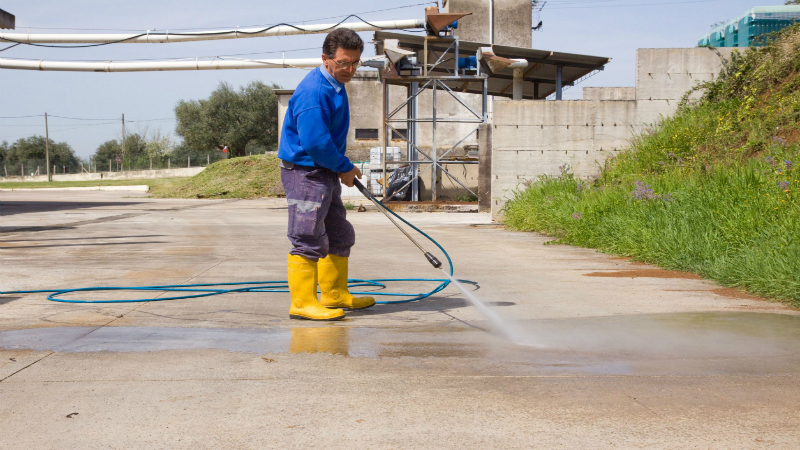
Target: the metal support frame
(412, 111)
(420, 160)
(559, 82)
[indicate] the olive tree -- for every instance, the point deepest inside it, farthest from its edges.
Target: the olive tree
(230, 118)
(31, 150)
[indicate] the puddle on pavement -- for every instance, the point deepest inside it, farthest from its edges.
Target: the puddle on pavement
(663, 344)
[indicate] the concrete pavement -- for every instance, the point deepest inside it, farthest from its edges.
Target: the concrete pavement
(610, 354)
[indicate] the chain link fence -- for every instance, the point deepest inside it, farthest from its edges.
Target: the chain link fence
(36, 167)
(153, 162)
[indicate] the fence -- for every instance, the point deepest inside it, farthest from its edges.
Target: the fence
(154, 163)
(34, 167)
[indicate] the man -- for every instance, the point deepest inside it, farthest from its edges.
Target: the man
(313, 161)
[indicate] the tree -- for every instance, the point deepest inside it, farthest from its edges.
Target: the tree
(228, 117)
(108, 150)
(31, 151)
(3, 152)
(135, 152)
(792, 2)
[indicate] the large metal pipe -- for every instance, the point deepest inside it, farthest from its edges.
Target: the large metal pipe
(151, 66)
(167, 37)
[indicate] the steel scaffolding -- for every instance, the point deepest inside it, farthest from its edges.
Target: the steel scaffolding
(416, 83)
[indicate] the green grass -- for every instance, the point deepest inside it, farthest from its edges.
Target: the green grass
(157, 182)
(244, 177)
(712, 190)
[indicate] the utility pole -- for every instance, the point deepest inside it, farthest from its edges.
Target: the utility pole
(47, 148)
(123, 139)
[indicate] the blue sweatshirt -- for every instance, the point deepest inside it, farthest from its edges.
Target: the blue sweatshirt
(315, 127)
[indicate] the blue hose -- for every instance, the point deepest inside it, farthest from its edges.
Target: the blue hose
(209, 289)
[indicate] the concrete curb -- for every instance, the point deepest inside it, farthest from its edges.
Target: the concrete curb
(138, 188)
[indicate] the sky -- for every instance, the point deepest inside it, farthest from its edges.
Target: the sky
(610, 28)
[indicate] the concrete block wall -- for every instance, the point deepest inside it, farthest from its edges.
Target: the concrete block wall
(664, 75)
(534, 138)
(609, 93)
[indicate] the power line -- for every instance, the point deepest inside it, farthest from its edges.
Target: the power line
(22, 117)
(115, 119)
(78, 127)
(62, 130)
(79, 118)
(39, 125)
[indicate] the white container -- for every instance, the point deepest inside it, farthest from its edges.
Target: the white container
(392, 154)
(375, 155)
(374, 187)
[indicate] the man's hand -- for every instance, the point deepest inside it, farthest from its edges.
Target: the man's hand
(348, 177)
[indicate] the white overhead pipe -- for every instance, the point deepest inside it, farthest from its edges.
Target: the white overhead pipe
(519, 67)
(167, 37)
(151, 66)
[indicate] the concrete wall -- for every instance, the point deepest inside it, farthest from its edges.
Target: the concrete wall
(512, 21)
(535, 138)
(609, 93)
(664, 75)
(365, 95)
(95, 176)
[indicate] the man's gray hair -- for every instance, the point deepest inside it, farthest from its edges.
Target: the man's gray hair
(343, 38)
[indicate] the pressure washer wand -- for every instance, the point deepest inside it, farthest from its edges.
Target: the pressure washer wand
(431, 259)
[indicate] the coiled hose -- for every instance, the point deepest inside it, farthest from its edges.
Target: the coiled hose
(210, 289)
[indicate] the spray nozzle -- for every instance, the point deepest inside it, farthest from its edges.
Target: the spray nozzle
(432, 259)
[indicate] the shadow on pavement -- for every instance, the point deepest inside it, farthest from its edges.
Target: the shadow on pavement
(80, 245)
(85, 238)
(8, 208)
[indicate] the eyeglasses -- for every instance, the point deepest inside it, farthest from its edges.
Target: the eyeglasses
(347, 65)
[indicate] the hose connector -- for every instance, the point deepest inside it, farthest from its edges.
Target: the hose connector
(432, 259)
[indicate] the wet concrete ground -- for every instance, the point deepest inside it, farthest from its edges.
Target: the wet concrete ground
(611, 353)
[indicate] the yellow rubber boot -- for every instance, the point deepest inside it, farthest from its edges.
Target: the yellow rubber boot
(303, 289)
(333, 285)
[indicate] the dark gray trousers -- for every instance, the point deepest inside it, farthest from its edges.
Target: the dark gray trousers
(317, 219)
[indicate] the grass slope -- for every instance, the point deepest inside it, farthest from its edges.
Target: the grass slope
(244, 177)
(712, 190)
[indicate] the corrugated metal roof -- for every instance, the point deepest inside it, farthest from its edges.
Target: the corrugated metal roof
(540, 77)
